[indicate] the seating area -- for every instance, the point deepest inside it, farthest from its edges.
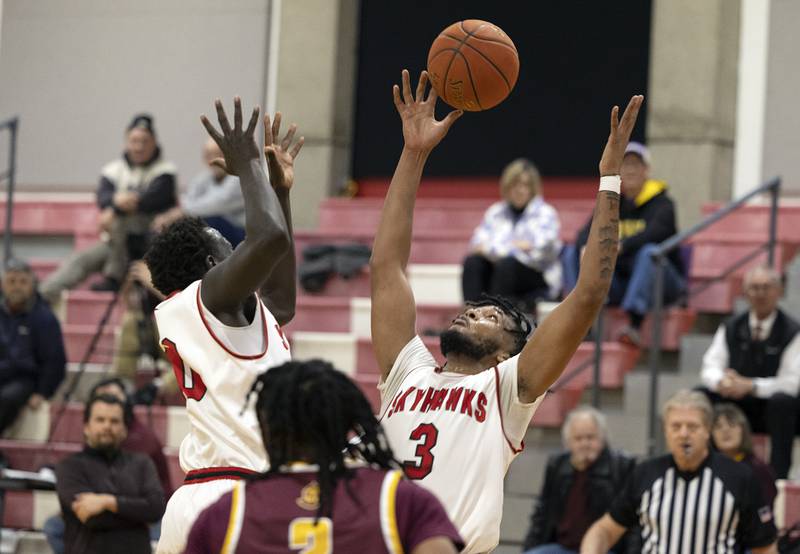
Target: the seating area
(334, 323)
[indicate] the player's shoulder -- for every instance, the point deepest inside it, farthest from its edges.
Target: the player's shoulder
(185, 297)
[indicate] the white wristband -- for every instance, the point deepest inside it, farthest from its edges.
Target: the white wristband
(610, 183)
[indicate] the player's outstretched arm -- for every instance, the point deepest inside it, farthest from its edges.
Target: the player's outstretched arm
(279, 291)
(393, 308)
(556, 340)
(230, 283)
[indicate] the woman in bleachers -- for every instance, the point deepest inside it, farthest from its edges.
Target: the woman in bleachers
(731, 435)
(514, 251)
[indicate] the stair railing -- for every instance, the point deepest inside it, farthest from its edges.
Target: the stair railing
(659, 256)
(9, 174)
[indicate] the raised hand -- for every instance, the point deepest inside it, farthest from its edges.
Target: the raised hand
(618, 137)
(421, 131)
(238, 146)
(280, 156)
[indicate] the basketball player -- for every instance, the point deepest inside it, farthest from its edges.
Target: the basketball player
(457, 428)
(216, 331)
(323, 492)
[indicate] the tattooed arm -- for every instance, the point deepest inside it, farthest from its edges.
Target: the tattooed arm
(556, 340)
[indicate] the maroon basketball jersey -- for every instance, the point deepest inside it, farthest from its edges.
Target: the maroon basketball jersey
(381, 513)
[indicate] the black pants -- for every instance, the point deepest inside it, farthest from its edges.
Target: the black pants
(777, 417)
(506, 277)
(13, 396)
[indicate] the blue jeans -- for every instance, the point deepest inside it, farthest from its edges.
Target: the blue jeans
(550, 548)
(635, 293)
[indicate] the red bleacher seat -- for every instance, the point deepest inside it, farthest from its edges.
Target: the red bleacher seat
(86, 307)
(321, 314)
(791, 506)
(751, 224)
(18, 512)
(77, 338)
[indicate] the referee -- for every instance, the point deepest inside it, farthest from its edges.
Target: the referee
(690, 500)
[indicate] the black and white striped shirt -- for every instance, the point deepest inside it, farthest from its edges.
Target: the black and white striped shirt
(717, 508)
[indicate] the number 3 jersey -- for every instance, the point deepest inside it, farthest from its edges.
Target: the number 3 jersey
(456, 435)
(215, 366)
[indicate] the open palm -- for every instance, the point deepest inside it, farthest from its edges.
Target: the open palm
(280, 156)
(421, 131)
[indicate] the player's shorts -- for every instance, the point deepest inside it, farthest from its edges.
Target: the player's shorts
(183, 508)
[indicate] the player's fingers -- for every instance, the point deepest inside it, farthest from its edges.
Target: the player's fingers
(210, 129)
(296, 150)
(614, 118)
(287, 140)
(251, 125)
(267, 130)
(237, 114)
(407, 98)
(432, 96)
(222, 117)
(451, 118)
(423, 81)
(631, 112)
(398, 102)
(276, 126)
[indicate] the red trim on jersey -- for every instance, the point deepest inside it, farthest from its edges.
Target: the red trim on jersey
(500, 409)
(219, 342)
(215, 473)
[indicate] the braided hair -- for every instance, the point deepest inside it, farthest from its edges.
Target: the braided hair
(521, 324)
(312, 411)
(177, 256)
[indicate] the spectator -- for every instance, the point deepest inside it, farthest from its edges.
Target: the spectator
(690, 500)
(579, 486)
(214, 196)
(514, 251)
(754, 362)
(139, 438)
(647, 217)
(133, 189)
(32, 359)
(107, 495)
(730, 434)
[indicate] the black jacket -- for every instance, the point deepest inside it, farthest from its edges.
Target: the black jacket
(132, 478)
(606, 477)
(31, 347)
(647, 219)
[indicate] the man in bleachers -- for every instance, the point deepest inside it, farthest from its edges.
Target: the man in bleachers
(647, 217)
(754, 362)
(133, 189)
(139, 438)
(32, 359)
(578, 488)
(214, 196)
(514, 250)
(108, 496)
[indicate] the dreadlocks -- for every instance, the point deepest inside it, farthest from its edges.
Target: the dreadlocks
(177, 255)
(522, 326)
(311, 410)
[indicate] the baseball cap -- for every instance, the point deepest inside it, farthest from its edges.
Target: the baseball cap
(640, 150)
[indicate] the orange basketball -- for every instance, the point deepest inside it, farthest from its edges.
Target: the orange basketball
(473, 65)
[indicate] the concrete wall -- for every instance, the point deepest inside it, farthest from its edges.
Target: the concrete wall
(781, 144)
(76, 71)
(692, 100)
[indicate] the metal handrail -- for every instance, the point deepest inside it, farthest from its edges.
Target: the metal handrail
(11, 173)
(659, 256)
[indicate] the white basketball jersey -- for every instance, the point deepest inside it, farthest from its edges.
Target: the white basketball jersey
(456, 435)
(215, 379)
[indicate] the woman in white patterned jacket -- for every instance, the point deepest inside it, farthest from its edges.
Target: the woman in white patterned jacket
(514, 251)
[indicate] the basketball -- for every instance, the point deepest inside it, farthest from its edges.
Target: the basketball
(473, 65)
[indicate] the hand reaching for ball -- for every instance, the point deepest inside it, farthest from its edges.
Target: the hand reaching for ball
(421, 131)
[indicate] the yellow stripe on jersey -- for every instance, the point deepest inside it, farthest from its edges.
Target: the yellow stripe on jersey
(234, 520)
(389, 511)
